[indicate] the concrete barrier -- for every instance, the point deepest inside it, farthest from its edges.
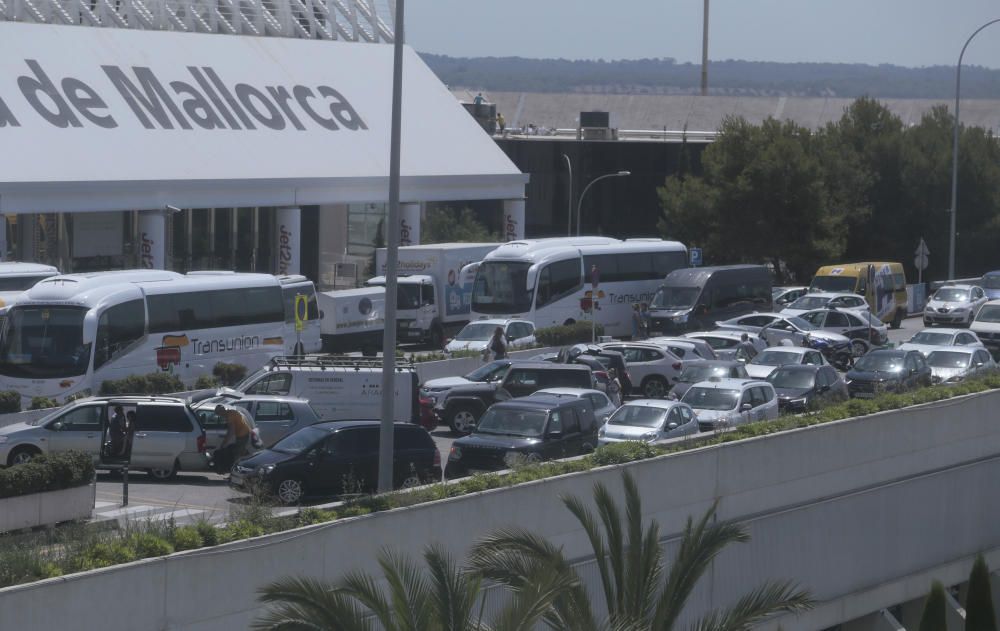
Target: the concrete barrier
(47, 509)
(859, 511)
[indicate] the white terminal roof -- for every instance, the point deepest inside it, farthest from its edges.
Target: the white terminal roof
(117, 119)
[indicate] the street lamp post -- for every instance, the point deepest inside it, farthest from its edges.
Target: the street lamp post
(579, 203)
(954, 153)
(569, 203)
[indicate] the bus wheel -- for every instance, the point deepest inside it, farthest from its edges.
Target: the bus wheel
(897, 320)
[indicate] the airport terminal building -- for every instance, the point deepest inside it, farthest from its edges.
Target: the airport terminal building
(163, 143)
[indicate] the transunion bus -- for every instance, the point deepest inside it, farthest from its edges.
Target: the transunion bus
(68, 334)
(548, 281)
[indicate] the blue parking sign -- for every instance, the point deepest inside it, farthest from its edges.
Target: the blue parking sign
(695, 256)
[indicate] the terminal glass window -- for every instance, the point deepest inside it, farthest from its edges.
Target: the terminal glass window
(364, 222)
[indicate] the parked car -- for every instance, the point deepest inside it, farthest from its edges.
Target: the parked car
(774, 327)
(476, 335)
(766, 361)
(652, 367)
(333, 458)
(954, 304)
(724, 342)
(827, 300)
(685, 347)
(649, 421)
(461, 407)
(986, 326)
(608, 358)
(887, 370)
(491, 371)
(167, 437)
(531, 429)
(274, 416)
(929, 340)
(956, 364)
(693, 297)
(783, 296)
(800, 388)
(991, 284)
(862, 328)
(721, 403)
(603, 406)
(703, 370)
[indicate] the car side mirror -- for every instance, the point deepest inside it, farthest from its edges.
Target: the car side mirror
(58, 425)
(555, 433)
(980, 364)
(671, 425)
(746, 407)
(824, 388)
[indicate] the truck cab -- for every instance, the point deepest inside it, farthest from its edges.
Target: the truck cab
(418, 316)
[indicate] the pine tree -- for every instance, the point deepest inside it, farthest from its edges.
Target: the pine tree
(933, 618)
(979, 613)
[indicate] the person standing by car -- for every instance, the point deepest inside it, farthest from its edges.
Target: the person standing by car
(237, 440)
(636, 322)
(745, 349)
(614, 388)
(116, 432)
(498, 345)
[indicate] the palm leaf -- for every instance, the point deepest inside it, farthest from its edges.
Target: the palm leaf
(771, 597)
(305, 604)
(453, 591)
(366, 590)
(589, 524)
(407, 592)
(611, 518)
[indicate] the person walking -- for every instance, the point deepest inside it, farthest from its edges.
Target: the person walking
(237, 440)
(497, 344)
(644, 320)
(501, 123)
(116, 433)
(614, 388)
(745, 349)
(636, 322)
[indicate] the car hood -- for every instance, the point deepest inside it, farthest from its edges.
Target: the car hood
(668, 313)
(985, 327)
(759, 371)
(923, 348)
(265, 457)
(871, 375)
(791, 393)
(712, 415)
(829, 336)
(945, 374)
(466, 345)
(444, 383)
(626, 432)
(788, 311)
(938, 304)
(490, 441)
(16, 428)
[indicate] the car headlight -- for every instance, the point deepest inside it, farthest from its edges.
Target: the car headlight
(956, 378)
(267, 469)
(600, 434)
(681, 318)
(648, 436)
(4, 439)
(800, 401)
(433, 398)
(455, 453)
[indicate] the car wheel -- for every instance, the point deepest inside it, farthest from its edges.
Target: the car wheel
(654, 388)
(927, 323)
(463, 419)
(858, 348)
(22, 455)
(411, 481)
(897, 320)
(163, 474)
(290, 491)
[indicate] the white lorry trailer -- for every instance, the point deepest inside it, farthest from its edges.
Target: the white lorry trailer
(434, 299)
(352, 320)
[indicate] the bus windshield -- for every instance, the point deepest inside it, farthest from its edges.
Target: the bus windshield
(675, 297)
(833, 283)
(501, 287)
(44, 342)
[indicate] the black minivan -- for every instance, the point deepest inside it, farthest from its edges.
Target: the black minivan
(540, 427)
(694, 298)
(335, 458)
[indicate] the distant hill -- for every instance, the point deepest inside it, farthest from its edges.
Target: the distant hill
(730, 77)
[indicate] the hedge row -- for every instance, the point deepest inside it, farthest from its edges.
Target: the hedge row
(576, 333)
(153, 383)
(52, 472)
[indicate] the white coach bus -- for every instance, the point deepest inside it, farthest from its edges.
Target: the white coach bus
(70, 333)
(547, 281)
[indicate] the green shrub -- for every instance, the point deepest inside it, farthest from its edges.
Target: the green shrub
(240, 529)
(979, 612)
(566, 334)
(10, 401)
(620, 453)
(42, 403)
(229, 374)
(163, 383)
(187, 538)
(50, 472)
(209, 533)
(153, 383)
(148, 545)
(934, 617)
(82, 394)
(102, 554)
(206, 382)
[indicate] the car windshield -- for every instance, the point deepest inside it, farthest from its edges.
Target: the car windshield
(951, 294)
(931, 338)
(408, 296)
(991, 281)
(44, 342)
(694, 374)
(488, 371)
(879, 363)
(949, 359)
(989, 313)
(501, 287)
(638, 416)
(809, 302)
(776, 358)
(833, 284)
(510, 422)
(675, 297)
(711, 398)
(476, 332)
(297, 442)
(785, 378)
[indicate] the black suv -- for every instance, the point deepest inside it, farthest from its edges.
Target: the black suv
(889, 370)
(538, 428)
(337, 457)
(463, 405)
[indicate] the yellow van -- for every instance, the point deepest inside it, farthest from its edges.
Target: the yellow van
(882, 284)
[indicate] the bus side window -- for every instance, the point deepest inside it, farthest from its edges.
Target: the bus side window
(118, 328)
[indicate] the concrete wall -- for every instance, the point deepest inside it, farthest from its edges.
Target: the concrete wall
(862, 512)
(47, 509)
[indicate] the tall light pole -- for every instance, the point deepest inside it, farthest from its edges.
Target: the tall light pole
(385, 447)
(704, 53)
(569, 201)
(579, 203)
(954, 154)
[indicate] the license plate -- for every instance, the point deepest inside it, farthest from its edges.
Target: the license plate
(864, 395)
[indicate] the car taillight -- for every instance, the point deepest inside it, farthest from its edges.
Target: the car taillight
(437, 458)
(201, 444)
(676, 365)
(425, 402)
(600, 374)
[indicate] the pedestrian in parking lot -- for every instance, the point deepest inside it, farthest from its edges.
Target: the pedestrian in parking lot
(614, 388)
(234, 445)
(497, 344)
(501, 123)
(745, 349)
(636, 322)
(644, 320)
(116, 432)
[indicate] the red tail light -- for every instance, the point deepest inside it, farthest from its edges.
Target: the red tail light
(437, 458)
(676, 365)
(601, 374)
(201, 444)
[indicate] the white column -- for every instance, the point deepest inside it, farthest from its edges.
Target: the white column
(409, 224)
(288, 240)
(513, 219)
(152, 244)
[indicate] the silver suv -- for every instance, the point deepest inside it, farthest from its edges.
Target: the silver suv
(274, 416)
(166, 438)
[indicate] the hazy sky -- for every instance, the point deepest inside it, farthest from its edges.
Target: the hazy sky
(901, 32)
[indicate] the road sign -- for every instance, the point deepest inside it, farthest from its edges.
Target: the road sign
(922, 249)
(695, 256)
(301, 311)
(920, 262)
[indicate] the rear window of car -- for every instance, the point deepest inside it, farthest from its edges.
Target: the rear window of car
(564, 379)
(412, 438)
(162, 418)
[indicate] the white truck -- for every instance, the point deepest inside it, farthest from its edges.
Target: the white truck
(433, 297)
(352, 320)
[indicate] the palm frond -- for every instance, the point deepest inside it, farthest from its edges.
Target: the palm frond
(531, 602)
(408, 594)
(305, 604)
(453, 592)
(366, 590)
(607, 508)
(589, 524)
(770, 598)
(643, 556)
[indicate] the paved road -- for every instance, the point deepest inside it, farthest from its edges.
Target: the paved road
(206, 496)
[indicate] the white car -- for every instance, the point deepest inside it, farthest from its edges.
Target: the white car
(954, 304)
(724, 343)
(766, 361)
(603, 406)
(986, 326)
(721, 403)
(955, 364)
(492, 371)
(930, 340)
(783, 296)
(827, 300)
(648, 421)
(775, 327)
(476, 335)
(685, 347)
(862, 328)
(652, 367)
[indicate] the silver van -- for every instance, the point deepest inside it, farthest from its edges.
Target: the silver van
(693, 298)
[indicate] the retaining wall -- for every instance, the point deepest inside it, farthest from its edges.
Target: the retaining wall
(47, 509)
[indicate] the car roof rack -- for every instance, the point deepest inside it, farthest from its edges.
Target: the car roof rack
(323, 362)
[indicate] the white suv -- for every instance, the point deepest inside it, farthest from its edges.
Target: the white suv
(653, 367)
(722, 403)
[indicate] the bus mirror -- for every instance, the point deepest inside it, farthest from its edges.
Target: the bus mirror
(89, 328)
(531, 277)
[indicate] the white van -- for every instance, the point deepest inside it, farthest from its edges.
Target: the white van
(338, 388)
